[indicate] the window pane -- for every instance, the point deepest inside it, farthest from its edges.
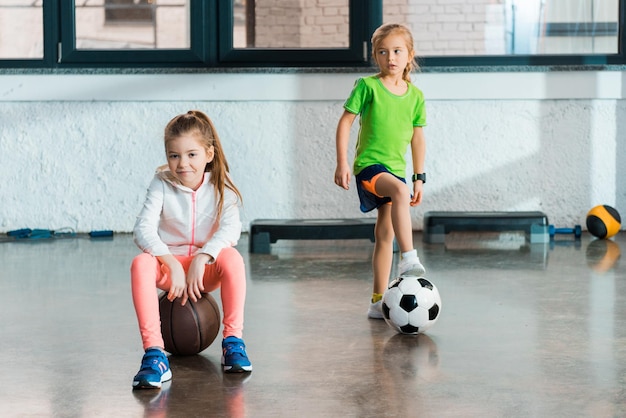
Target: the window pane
(291, 24)
(132, 24)
(508, 27)
(21, 29)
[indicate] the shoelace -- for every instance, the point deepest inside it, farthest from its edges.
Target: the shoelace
(234, 348)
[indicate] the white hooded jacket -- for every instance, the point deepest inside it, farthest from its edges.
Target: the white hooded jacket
(180, 221)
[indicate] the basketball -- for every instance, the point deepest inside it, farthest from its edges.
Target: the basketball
(189, 329)
(603, 221)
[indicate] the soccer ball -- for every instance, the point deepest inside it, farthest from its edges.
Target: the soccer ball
(411, 304)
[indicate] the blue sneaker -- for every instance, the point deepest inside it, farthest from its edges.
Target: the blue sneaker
(234, 357)
(155, 369)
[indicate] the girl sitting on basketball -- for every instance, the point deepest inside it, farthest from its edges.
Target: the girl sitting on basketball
(187, 230)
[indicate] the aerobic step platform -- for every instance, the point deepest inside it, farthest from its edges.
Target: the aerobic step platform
(438, 224)
(264, 232)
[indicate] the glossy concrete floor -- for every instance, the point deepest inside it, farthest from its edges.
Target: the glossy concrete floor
(525, 331)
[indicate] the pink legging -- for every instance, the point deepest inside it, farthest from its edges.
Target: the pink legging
(228, 272)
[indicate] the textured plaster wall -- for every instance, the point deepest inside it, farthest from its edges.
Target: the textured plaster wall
(86, 164)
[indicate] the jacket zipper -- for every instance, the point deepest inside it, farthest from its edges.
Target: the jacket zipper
(193, 223)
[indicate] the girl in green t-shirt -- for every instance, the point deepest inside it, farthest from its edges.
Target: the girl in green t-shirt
(392, 114)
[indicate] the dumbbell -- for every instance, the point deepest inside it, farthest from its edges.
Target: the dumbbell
(576, 230)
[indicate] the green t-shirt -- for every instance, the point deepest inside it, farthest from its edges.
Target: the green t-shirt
(386, 123)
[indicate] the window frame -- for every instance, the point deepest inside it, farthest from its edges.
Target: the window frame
(592, 61)
(364, 17)
(50, 31)
(211, 27)
(68, 54)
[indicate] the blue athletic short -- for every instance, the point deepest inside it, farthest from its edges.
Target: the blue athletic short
(370, 201)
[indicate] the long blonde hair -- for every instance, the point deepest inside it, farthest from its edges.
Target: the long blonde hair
(198, 123)
(396, 28)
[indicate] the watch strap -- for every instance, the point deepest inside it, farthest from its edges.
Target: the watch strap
(419, 176)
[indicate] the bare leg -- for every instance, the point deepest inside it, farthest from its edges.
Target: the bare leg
(383, 249)
(388, 185)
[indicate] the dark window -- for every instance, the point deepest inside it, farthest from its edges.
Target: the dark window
(129, 11)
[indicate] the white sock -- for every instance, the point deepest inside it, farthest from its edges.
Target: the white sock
(409, 254)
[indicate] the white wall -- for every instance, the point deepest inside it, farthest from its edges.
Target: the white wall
(78, 150)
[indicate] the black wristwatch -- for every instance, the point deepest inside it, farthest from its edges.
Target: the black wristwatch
(420, 176)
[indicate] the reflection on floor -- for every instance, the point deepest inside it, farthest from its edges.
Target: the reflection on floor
(525, 331)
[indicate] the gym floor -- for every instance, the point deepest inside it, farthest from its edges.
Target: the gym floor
(525, 331)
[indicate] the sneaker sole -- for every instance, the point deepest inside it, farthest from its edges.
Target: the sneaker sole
(414, 272)
(371, 314)
(237, 369)
(146, 384)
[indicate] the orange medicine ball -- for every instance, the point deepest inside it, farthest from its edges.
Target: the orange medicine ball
(603, 221)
